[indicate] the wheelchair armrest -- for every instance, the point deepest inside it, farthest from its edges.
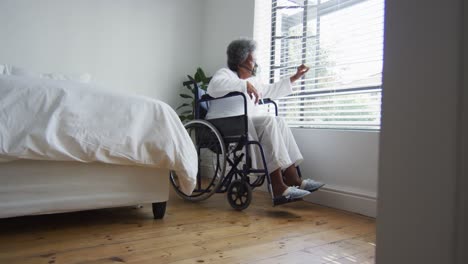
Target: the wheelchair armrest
(207, 97)
(269, 101)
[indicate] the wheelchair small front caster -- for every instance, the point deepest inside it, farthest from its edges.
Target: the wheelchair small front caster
(239, 194)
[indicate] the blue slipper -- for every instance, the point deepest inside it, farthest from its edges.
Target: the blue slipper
(293, 192)
(311, 185)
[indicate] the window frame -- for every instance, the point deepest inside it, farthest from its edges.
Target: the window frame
(322, 9)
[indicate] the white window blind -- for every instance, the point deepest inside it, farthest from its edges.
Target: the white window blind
(342, 43)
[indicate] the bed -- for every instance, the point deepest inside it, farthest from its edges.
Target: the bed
(68, 146)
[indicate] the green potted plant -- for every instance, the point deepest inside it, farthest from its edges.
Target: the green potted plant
(186, 108)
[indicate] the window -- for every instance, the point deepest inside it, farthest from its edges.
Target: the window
(342, 43)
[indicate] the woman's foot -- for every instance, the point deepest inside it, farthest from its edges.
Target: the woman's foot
(310, 185)
(280, 189)
(289, 192)
(293, 192)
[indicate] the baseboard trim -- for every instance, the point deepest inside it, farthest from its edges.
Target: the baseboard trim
(345, 200)
(350, 201)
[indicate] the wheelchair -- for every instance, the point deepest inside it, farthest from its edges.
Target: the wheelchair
(223, 149)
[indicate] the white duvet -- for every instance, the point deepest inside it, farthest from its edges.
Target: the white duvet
(44, 119)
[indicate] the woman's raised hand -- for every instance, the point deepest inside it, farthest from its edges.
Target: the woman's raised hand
(301, 70)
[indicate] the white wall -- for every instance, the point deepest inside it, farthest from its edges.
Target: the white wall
(141, 46)
(224, 21)
(420, 137)
(347, 162)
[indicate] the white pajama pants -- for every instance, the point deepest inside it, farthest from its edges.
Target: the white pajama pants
(277, 140)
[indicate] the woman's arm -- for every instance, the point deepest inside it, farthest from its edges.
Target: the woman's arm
(225, 81)
(277, 89)
(283, 87)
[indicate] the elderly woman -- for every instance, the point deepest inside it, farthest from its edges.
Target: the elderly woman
(281, 151)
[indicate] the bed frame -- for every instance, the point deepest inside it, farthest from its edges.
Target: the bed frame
(30, 187)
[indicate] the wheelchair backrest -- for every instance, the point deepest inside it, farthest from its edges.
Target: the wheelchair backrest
(199, 108)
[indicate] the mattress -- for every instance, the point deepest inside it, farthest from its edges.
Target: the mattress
(43, 187)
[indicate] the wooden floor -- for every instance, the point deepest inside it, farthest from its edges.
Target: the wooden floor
(207, 232)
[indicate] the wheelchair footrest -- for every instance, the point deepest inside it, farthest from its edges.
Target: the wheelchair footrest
(283, 200)
(257, 171)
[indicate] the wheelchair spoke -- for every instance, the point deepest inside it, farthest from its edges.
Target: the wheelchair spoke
(211, 160)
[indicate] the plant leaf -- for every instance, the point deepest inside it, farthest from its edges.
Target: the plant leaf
(188, 86)
(186, 112)
(201, 75)
(182, 105)
(186, 96)
(197, 77)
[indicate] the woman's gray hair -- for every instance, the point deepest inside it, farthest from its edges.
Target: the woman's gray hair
(238, 51)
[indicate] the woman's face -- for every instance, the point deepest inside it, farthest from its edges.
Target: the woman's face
(250, 64)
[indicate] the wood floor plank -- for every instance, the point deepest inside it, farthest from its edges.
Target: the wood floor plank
(207, 232)
(197, 231)
(255, 252)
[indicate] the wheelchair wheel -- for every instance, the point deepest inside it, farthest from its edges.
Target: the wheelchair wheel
(239, 194)
(211, 160)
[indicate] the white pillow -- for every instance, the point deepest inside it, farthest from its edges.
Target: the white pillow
(18, 71)
(83, 78)
(2, 69)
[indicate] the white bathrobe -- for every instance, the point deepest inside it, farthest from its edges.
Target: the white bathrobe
(279, 146)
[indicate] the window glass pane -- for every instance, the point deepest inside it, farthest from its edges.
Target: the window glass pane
(342, 43)
(351, 41)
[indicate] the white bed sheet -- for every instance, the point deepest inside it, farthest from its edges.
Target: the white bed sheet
(44, 119)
